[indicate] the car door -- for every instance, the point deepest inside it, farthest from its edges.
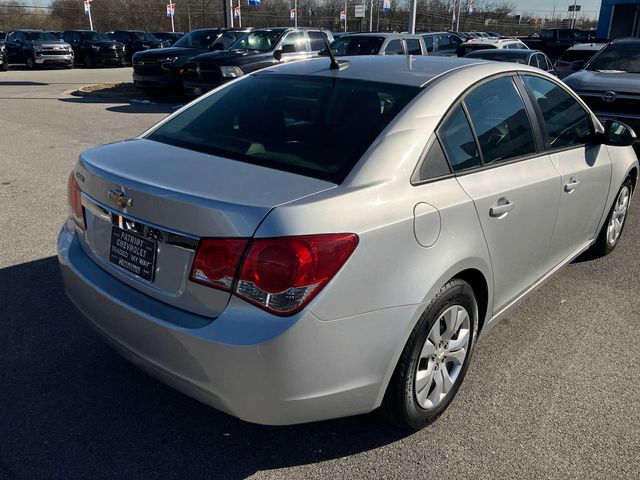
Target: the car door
(317, 41)
(294, 46)
(14, 47)
(585, 168)
(513, 184)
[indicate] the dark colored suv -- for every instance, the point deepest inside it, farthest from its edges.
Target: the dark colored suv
(94, 48)
(161, 69)
(135, 41)
(257, 49)
(35, 47)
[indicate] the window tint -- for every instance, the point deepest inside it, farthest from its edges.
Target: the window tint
(457, 140)
(455, 41)
(443, 42)
(394, 47)
(312, 125)
(317, 40)
(566, 122)
(435, 163)
(500, 121)
(428, 40)
(66, 36)
(297, 40)
(413, 46)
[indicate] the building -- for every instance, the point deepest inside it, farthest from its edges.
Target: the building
(619, 18)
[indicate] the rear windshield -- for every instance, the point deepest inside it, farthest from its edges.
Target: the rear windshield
(314, 126)
(354, 45)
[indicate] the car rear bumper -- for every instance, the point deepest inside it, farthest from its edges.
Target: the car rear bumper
(258, 367)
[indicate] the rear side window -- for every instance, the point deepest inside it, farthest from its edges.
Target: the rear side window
(413, 46)
(316, 40)
(311, 125)
(566, 123)
(394, 47)
(457, 141)
(500, 121)
(435, 163)
(428, 40)
(297, 40)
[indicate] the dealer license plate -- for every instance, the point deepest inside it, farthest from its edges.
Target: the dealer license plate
(133, 253)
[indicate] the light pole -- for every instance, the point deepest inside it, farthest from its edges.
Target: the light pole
(412, 17)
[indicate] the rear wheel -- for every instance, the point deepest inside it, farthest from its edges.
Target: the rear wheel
(434, 360)
(5, 65)
(30, 63)
(612, 229)
(88, 61)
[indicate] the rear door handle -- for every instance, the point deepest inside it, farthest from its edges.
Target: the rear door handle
(504, 206)
(571, 185)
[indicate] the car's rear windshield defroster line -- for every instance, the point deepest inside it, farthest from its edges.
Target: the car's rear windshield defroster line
(313, 126)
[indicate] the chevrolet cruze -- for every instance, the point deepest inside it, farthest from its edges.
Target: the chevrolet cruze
(325, 239)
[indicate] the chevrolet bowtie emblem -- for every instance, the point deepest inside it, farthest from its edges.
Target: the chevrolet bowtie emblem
(120, 198)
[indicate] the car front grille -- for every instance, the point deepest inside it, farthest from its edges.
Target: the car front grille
(54, 51)
(624, 103)
(147, 68)
(202, 71)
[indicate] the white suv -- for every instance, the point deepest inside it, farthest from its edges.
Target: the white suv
(488, 43)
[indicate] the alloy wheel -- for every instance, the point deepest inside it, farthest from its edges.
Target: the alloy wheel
(442, 357)
(618, 216)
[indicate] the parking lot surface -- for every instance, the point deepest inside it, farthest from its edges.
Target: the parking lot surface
(552, 392)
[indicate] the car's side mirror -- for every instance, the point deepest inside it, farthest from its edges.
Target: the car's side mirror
(277, 55)
(619, 134)
(577, 65)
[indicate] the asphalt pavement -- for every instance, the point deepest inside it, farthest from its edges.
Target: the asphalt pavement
(552, 392)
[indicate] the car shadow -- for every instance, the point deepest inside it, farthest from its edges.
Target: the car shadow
(71, 407)
(129, 105)
(22, 84)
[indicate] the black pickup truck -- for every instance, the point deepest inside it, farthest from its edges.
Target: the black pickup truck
(554, 41)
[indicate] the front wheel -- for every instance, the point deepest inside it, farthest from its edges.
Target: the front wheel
(435, 359)
(30, 63)
(612, 229)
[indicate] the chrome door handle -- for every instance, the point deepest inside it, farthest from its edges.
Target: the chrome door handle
(504, 206)
(571, 185)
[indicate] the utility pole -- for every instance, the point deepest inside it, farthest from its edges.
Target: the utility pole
(295, 11)
(189, 14)
(458, 19)
(378, 21)
(575, 14)
(371, 16)
(412, 17)
(346, 15)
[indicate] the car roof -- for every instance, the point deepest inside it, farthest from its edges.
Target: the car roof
(497, 52)
(406, 70)
(27, 30)
(494, 41)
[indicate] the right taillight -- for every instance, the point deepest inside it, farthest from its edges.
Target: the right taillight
(75, 199)
(280, 275)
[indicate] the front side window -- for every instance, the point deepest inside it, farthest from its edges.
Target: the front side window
(428, 40)
(294, 42)
(394, 47)
(500, 121)
(566, 123)
(311, 125)
(457, 141)
(413, 46)
(198, 39)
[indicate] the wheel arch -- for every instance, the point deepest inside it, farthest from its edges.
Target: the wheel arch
(480, 286)
(633, 174)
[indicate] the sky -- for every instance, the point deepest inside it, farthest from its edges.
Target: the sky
(589, 6)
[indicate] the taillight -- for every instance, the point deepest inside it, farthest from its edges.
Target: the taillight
(75, 199)
(282, 275)
(216, 262)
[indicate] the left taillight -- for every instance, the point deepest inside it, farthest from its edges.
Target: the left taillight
(75, 199)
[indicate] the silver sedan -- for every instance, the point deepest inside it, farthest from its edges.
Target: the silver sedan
(309, 242)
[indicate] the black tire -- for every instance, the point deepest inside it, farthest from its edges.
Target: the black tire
(5, 66)
(30, 62)
(603, 246)
(400, 405)
(88, 62)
